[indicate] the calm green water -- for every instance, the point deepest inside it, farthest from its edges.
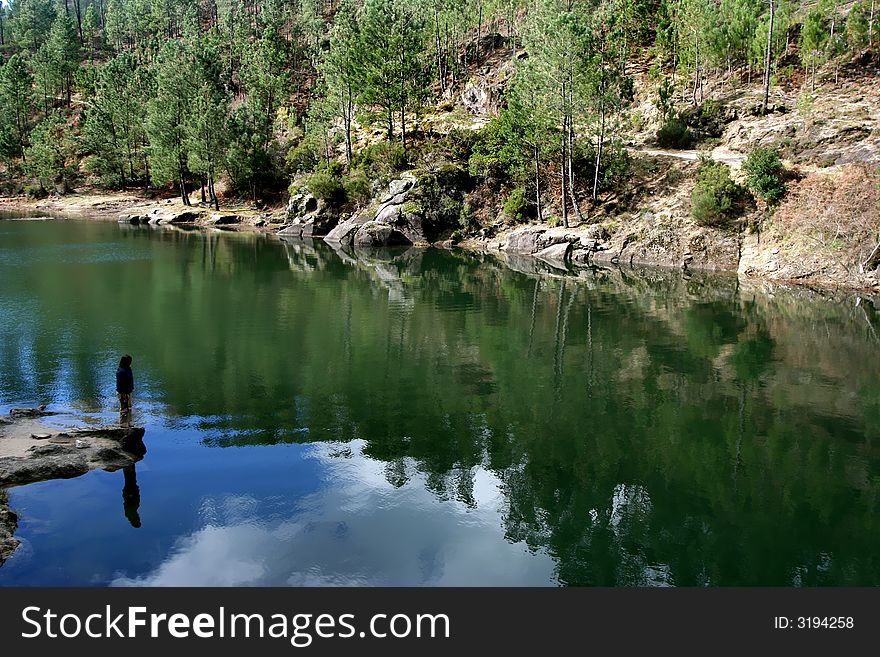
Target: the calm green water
(436, 418)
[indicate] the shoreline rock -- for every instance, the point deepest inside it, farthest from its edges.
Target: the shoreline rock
(31, 452)
(660, 245)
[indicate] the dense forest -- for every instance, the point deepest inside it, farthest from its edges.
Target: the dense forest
(257, 93)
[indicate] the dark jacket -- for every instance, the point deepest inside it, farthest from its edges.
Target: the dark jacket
(124, 380)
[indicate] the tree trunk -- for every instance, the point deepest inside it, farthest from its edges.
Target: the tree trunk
(211, 192)
(767, 60)
(182, 182)
(562, 161)
(439, 48)
(570, 157)
(696, 67)
(599, 154)
(871, 26)
(538, 181)
(79, 25)
(347, 108)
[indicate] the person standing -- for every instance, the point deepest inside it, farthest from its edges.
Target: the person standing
(124, 383)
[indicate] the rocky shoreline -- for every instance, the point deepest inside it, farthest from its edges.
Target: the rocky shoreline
(30, 452)
(404, 214)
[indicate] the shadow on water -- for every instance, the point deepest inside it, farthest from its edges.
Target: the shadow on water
(645, 426)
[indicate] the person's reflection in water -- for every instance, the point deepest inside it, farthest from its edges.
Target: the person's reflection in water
(131, 496)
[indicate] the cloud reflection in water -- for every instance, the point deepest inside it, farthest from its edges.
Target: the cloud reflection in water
(359, 531)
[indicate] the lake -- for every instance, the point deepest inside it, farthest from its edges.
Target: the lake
(432, 417)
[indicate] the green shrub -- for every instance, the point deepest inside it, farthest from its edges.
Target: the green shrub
(459, 143)
(495, 156)
(716, 198)
(324, 185)
(334, 168)
(303, 157)
(357, 187)
(467, 220)
(764, 172)
(439, 196)
(517, 206)
(382, 160)
(674, 133)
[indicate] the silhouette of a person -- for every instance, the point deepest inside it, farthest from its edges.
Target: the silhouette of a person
(131, 496)
(124, 384)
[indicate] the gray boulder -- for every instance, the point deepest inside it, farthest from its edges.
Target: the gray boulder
(524, 241)
(397, 187)
(597, 232)
(556, 254)
(375, 233)
(345, 231)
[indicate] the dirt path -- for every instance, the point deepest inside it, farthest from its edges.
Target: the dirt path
(719, 154)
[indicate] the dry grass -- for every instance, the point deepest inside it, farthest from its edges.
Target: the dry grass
(837, 211)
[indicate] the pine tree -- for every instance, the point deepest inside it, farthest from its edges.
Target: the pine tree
(167, 117)
(16, 106)
(395, 73)
(113, 123)
(51, 155)
(207, 128)
(340, 68)
(32, 21)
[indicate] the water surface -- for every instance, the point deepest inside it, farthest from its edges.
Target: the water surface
(427, 417)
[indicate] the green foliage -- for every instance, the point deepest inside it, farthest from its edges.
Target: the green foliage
(859, 26)
(358, 188)
(113, 124)
(517, 207)
(32, 22)
(674, 133)
(495, 155)
(393, 69)
(16, 105)
(181, 92)
(615, 168)
(327, 186)
(764, 174)
(303, 157)
(440, 194)
(709, 118)
(167, 116)
(716, 198)
(381, 161)
(459, 144)
(467, 220)
(51, 156)
(814, 38)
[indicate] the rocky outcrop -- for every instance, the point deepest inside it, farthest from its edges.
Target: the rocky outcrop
(482, 93)
(19, 413)
(309, 217)
(133, 218)
(651, 243)
(556, 254)
(8, 525)
(219, 219)
(73, 453)
(344, 233)
(30, 452)
(392, 220)
(377, 233)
